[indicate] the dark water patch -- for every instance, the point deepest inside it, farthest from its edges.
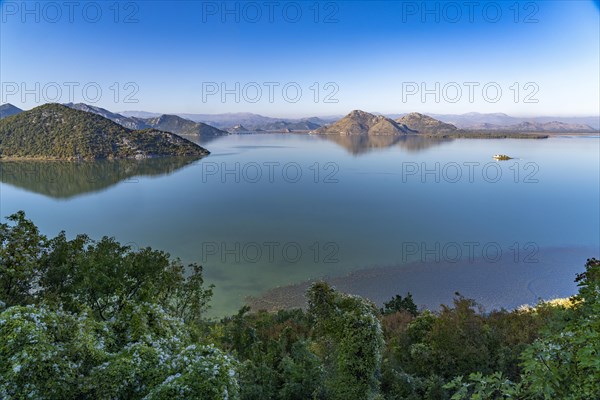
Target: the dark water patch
(493, 285)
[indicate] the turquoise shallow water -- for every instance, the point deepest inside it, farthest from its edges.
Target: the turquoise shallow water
(271, 210)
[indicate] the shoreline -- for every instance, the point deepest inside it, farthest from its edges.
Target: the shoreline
(471, 134)
(504, 284)
(75, 159)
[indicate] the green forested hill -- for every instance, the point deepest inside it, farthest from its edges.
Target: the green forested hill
(55, 131)
(182, 126)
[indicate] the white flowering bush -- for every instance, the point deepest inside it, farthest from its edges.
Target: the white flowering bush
(198, 372)
(81, 319)
(44, 353)
(48, 354)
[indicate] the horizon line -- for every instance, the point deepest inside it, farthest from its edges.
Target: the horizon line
(326, 115)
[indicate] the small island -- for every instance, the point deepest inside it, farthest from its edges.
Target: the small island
(57, 132)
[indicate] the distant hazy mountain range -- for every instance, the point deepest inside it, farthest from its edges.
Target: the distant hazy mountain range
(500, 121)
(474, 121)
(214, 125)
(55, 131)
(290, 126)
(131, 123)
(182, 126)
(169, 123)
(6, 110)
(527, 126)
(252, 122)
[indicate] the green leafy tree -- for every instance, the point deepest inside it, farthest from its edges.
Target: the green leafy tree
(85, 319)
(565, 364)
(21, 246)
(302, 373)
(47, 354)
(459, 340)
(397, 303)
(277, 357)
(105, 276)
(82, 319)
(351, 342)
(479, 387)
(44, 353)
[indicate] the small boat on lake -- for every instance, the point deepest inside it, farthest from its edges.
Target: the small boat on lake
(501, 157)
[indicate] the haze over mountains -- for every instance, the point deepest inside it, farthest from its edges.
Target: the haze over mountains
(501, 121)
(6, 110)
(473, 120)
(182, 126)
(250, 121)
(527, 126)
(130, 123)
(169, 123)
(214, 125)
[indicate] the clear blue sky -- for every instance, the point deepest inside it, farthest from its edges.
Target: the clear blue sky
(375, 56)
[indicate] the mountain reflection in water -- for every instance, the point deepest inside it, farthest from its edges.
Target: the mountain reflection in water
(360, 144)
(68, 179)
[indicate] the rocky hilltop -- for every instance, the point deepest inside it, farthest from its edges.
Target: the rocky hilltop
(55, 131)
(238, 129)
(421, 123)
(363, 123)
(127, 122)
(164, 122)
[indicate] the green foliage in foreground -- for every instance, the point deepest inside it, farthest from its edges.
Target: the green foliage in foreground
(397, 303)
(562, 363)
(85, 319)
(143, 353)
(96, 320)
(350, 342)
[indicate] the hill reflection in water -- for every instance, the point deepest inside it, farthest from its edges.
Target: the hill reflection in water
(68, 179)
(360, 144)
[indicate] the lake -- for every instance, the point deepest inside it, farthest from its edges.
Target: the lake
(265, 213)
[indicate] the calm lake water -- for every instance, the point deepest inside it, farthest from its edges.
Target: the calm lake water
(264, 211)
